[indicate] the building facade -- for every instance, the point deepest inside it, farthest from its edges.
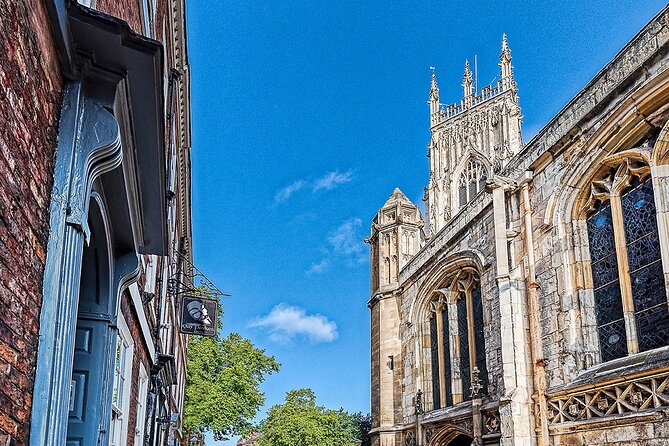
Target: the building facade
(530, 306)
(94, 221)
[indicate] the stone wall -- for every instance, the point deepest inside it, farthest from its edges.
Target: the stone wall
(639, 434)
(375, 366)
(30, 101)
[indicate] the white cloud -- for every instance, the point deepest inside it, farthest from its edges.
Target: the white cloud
(288, 191)
(332, 179)
(285, 322)
(317, 268)
(347, 240)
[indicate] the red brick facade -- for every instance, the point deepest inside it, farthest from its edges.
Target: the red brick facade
(127, 10)
(30, 101)
(141, 355)
(31, 95)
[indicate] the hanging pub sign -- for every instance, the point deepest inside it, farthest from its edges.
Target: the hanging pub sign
(199, 316)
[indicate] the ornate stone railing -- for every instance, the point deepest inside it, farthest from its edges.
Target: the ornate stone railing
(611, 400)
(488, 92)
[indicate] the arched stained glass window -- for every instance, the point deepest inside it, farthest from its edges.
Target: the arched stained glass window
(630, 297)
(467, 345)
(651, 312)
(608, 301)
(472, 181)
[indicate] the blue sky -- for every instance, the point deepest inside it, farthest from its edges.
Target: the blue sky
(306, 115)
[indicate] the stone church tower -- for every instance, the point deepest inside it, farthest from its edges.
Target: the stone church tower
(470, 141)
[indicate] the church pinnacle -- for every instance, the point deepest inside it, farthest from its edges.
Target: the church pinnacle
(505, 59)
(434, 94)
(467, 83)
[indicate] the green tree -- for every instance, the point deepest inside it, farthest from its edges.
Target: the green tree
(222, 385)
(300, 422)
(363, 423)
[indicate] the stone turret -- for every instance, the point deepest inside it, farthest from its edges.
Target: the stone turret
(397, 232)
(471, 141)
(396, 236)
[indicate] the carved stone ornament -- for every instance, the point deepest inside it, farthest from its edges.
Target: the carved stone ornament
(410, 439)
(491, 423)
(611, 400)
(617, 178)
(602, 403)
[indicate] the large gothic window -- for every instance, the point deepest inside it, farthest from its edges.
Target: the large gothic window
(630, 298)
(472, 181)
(466, 348)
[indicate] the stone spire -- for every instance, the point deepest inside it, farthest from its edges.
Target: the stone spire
(467, 84)
(505, 59)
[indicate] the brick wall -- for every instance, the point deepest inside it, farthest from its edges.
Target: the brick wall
(127, 10)
(30, 101)
(141, 355)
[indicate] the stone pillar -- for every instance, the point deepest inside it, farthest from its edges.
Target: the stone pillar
(515, 402)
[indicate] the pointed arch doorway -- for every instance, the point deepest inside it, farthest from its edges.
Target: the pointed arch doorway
(451, 437)
(460, 440)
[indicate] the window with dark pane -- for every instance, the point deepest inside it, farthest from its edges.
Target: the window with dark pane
(473, 184)
(463, 193)
(479, 339)
(434, 352)
(463, 335)
(482, 181)
(606, 284)
(651, 312)
(447, 360)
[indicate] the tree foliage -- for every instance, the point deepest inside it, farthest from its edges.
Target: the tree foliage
(222, 384)
(300, 422)
(363, 423)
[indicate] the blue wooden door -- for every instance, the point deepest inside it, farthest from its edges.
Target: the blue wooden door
(95, 336)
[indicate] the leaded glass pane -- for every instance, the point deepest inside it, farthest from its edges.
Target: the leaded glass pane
(480, 339)
(652, 327)
(612, 340)
(648, 287)
(463, 195)
(639, 212)
(600, 234)
(434, 353)
(482, 181)
(643, 252)
(463, 335)
(472, 189)
(447, 362)
(608, 303)
(608, 300)
(605, 271)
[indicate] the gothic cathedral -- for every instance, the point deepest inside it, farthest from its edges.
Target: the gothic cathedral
(530, 306)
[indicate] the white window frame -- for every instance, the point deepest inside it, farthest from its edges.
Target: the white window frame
(120, 412)
(147, 17)
(142, 393)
